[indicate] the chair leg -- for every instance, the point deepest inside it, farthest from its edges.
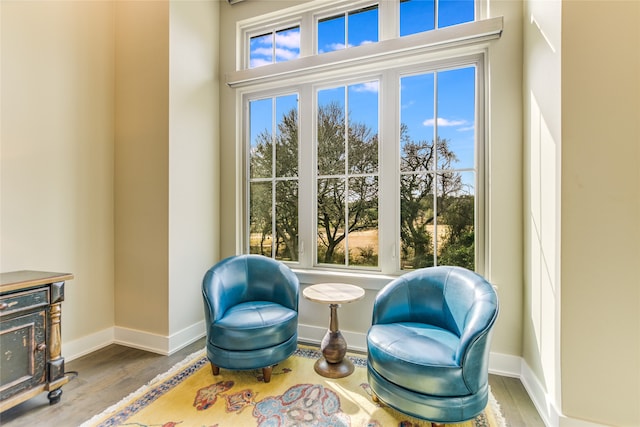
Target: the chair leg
(215, 369)
(266, 373)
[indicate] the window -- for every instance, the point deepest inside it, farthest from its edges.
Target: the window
(348, 29)
(347, 175)
(424, 15)
(369, 163)
(276, 46)
(437, 169)
(273, 177)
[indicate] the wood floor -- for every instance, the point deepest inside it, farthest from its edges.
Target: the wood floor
(109, 374)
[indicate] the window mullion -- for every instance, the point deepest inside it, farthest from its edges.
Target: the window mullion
(388, 17)
(307, 35)
(273, 174)
(435, 165)
(307, 187)
(388, 178)
(346, 167)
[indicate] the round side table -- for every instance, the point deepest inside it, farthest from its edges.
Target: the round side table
(333, 364)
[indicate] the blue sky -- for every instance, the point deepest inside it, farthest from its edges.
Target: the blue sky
(455, 88)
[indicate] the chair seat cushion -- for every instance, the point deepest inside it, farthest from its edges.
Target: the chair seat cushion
(254, 325)
(419, 357)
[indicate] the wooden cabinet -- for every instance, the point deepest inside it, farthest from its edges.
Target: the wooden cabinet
(31, 359)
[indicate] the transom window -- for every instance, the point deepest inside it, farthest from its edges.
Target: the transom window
(374, 166)
(417, 16)
(348, 29)
(275, 46)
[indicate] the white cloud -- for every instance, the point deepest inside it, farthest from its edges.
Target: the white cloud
(444, 122)
(263, 55)
(288, 40)
(333, 46)
(367, 87)
(286, 54)
(466, 128)
(339, 46)
(264, 51)
(259, 62)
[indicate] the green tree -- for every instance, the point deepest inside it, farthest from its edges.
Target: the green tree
(347, 167)
(459, 245)
(418, 183)
(333, 198)
(284, 183)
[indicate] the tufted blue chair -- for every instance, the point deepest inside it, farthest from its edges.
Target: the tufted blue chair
(251, 313)
(428, 346)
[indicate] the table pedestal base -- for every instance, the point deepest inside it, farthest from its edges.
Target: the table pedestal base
(333, 364)
(333, 370)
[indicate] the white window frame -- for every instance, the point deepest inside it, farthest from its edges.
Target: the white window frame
(387, 60)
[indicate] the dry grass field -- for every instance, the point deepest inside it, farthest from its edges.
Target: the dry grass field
(362, 244)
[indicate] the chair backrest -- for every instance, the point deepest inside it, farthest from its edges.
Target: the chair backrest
(243, 278)
(453, 298)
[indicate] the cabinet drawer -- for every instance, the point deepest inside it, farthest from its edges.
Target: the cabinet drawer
(21, 301)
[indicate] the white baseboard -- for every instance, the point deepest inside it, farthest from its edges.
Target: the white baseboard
(505, 365)
(573, 422)
(160, 344)
(547, 408)
(142, 340)
(186, 336)
(88, 344)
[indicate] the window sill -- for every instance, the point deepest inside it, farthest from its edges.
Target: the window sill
(369, 281)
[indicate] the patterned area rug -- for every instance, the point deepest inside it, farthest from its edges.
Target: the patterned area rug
(189, 395)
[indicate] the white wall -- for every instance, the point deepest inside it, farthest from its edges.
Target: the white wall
(541, 90)
(193, 160)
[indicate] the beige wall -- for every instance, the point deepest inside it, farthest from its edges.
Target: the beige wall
(57, 151)
(582, 300)
(600, 212)
(165, 167)
(142, 166)
(109, 162)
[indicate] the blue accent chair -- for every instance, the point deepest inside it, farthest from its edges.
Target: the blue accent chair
(251, 313)
(428, 346)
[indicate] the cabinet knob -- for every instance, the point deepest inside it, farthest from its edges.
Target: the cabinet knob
(3, 305)
(41, 347)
